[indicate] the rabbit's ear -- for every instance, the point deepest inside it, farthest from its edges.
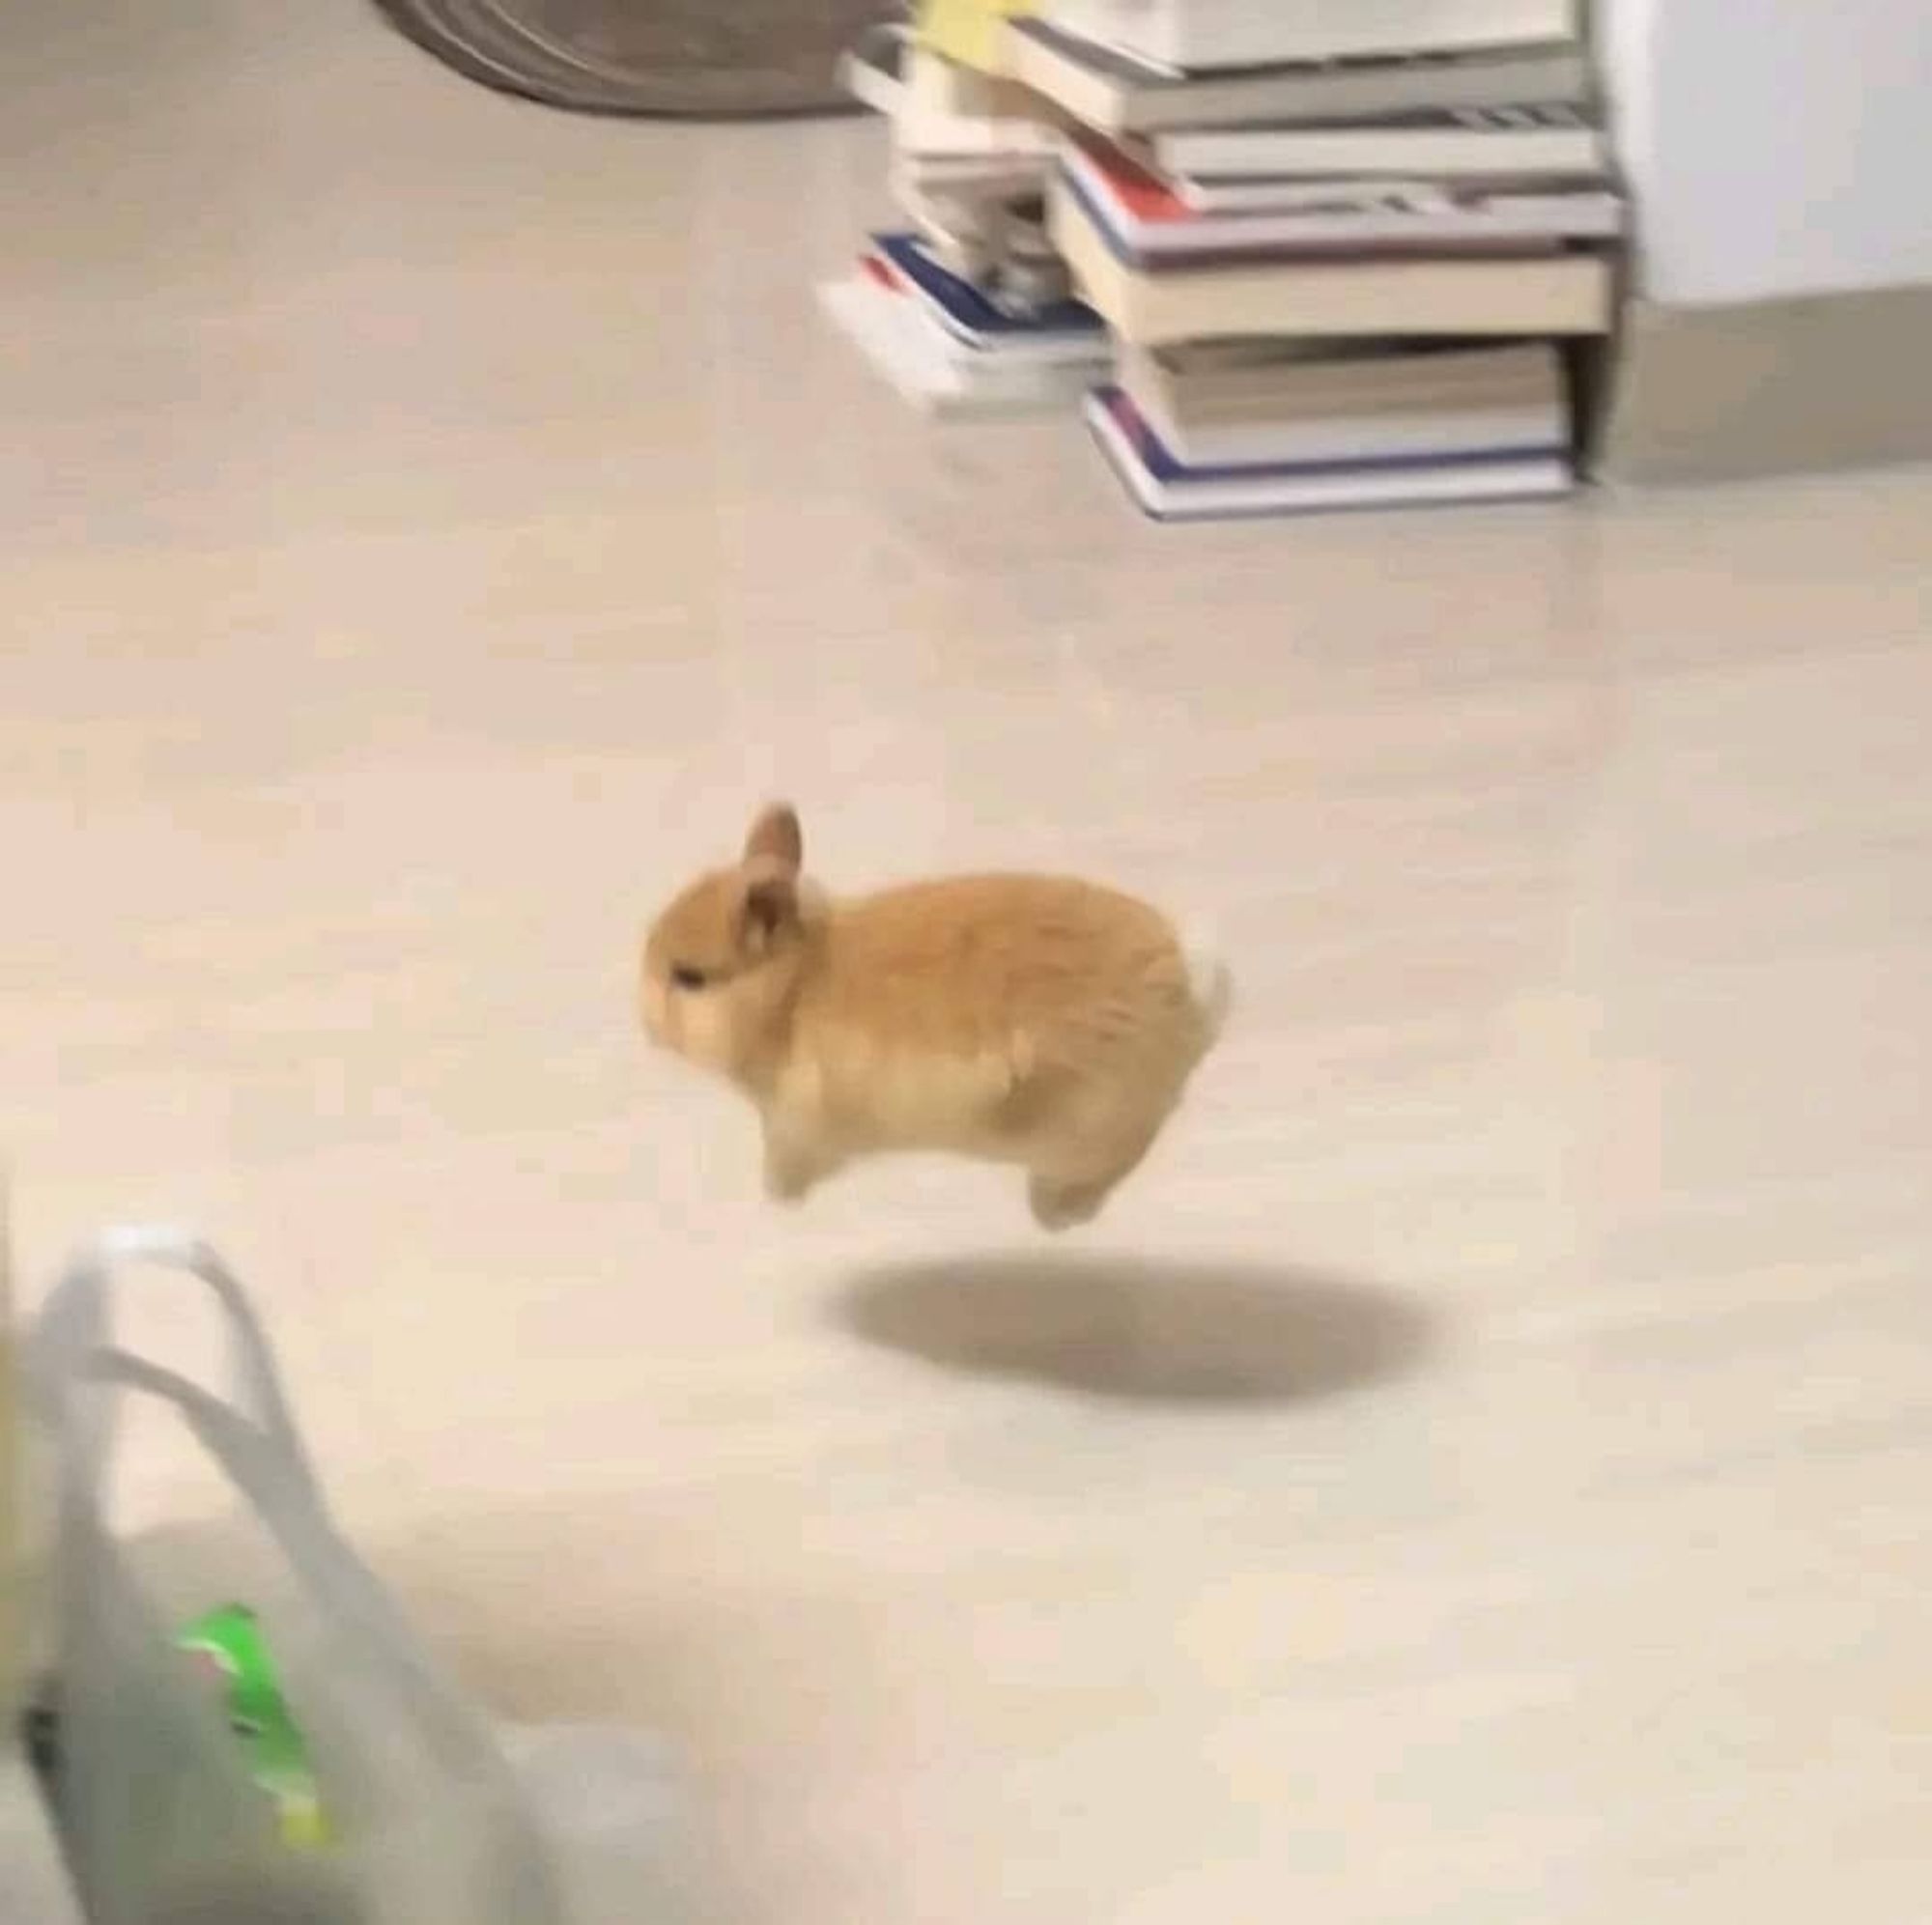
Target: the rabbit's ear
(768, 903)
(776, 838)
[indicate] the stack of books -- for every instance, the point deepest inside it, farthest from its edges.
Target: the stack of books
(965, 309)
(1285, 253)
(1337, 243)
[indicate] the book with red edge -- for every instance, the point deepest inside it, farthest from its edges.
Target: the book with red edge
(1520, 142)
(1148, 222)
(1163, 302)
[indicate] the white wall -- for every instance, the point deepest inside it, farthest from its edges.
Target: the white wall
(1776, 147)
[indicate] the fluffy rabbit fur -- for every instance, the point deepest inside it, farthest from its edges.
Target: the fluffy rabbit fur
(1027, 1019)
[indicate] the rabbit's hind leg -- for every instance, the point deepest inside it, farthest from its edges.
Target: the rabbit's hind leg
(1092, 1131)
(1070, 1183)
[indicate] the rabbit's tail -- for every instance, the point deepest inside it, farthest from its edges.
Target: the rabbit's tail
(1209, 979)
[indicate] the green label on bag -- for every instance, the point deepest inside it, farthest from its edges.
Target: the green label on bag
(230, 1642)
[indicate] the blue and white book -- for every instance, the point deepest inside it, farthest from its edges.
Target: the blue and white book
(1065, 330)
(878, 311)
(1170, 490)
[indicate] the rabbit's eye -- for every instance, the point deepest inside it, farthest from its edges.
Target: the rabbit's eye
(684, 977)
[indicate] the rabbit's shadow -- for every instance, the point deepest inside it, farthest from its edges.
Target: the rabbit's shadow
(1140, 1330)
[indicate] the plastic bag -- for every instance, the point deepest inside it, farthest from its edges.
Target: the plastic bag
(609, 1801)
(162, 1822)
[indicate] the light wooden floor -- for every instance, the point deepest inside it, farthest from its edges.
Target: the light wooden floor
(1478, 1474)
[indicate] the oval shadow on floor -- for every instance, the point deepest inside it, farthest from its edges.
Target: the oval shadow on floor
(1140, 1330)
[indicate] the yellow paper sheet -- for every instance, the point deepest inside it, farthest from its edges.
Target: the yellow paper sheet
(972, 32)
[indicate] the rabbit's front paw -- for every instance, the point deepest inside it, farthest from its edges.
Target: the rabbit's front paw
(793, 1170)
(1060, 1205)
(789, 1180)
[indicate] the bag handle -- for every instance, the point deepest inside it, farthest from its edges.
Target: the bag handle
(251, 1439)
(288, 1506)
(249, 1435)
(76, 1323)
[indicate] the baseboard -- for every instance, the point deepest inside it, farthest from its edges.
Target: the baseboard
(1771, 387)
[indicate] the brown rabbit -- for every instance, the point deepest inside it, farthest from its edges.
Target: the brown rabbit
(1025, 1019)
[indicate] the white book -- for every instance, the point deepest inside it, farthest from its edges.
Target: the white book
(874, 69)
(887, 71)
(1102, 89)
(1471, 144)
(923, 133)
(985, 179)
(1298, 196)
(1196, 34)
